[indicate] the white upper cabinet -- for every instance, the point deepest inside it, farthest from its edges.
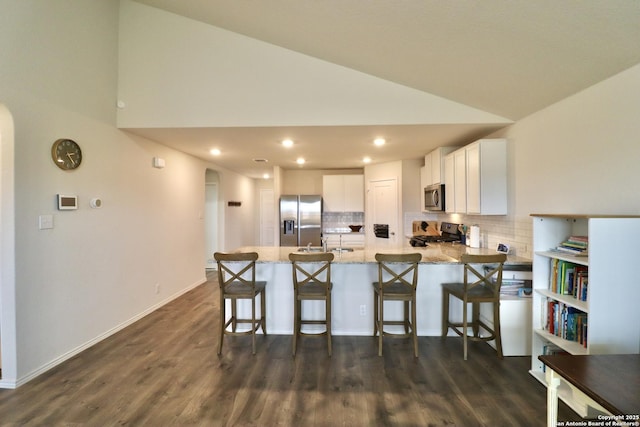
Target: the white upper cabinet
(343, 193)
(459, 181)
(449, 183)
(476, 178)
(487, 177)
(434, 165)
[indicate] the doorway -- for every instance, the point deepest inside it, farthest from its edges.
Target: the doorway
(211, 217)
(383, 209)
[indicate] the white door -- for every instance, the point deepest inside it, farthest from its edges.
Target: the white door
(267, 218)
(383, 209)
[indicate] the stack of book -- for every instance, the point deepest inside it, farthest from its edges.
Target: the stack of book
(516, 288)
(575, 245)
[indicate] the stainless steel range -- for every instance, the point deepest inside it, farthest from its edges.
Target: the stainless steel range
(449, 232)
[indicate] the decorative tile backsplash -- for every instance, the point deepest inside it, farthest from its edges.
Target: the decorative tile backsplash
(515, 232)
(339, 222)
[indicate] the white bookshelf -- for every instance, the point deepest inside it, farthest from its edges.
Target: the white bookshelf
(613, 289)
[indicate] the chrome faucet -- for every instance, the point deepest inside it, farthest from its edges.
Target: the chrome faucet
(309, 247)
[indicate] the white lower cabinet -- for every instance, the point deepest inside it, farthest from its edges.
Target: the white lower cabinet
(515, 325)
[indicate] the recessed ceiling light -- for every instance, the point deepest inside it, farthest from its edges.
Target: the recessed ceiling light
(300, 161)
(215, 152)
(287, 143)
(366, 160)
(379, 141)
(265, 176)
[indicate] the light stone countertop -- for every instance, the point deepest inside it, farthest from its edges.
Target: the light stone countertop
(435, 253)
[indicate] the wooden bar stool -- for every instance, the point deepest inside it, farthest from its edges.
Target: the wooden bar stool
(237, 280)
(477, 288)
(311, 281)
(397, 281)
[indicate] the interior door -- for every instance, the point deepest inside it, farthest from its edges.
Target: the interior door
(383, 209)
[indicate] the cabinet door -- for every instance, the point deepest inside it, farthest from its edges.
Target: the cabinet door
(436, 162)
(353, 193)
(460, 181)
(449, 184)
(428, 170)
(473, 179)
(333, 193)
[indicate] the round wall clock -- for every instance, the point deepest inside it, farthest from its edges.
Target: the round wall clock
(66, 154)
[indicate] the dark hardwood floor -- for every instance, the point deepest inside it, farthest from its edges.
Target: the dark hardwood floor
(163, 370)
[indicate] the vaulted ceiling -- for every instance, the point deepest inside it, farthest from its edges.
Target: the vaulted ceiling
(508, 58)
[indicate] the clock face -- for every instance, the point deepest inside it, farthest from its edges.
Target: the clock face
(66, 154)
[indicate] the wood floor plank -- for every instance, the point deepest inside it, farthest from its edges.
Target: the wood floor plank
(164, 370)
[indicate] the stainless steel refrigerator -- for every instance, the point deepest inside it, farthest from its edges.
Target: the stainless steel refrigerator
(300, 220)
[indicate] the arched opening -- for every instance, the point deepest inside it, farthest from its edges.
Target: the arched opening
(8, 342)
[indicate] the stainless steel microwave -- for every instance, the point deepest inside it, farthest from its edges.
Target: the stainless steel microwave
(434, 197)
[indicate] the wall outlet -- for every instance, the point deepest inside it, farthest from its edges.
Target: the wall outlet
(363, 310)
(157, 288)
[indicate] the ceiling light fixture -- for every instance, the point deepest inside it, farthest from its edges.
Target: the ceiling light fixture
(379, 141)
(215, 152)
(287, 143)
(300, 161)
(265, 176)
(366, 160)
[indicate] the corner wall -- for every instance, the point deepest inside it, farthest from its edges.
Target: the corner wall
(96, 270)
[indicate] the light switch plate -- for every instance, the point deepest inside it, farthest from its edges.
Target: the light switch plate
(45, 222)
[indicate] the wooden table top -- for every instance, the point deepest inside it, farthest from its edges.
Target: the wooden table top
(612, 381)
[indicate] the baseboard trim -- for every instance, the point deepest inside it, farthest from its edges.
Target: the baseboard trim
(55, 362)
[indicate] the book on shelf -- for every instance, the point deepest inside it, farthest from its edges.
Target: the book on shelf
(568, 278)
(566, 322)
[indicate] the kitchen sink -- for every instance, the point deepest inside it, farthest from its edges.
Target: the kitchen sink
(311, 249)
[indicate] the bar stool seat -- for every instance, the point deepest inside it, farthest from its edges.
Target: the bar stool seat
(397, 281)
(311, 281)
(477, 288)
(237, 280)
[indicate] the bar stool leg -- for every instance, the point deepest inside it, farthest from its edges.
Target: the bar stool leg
(222, 321)
(445, 313)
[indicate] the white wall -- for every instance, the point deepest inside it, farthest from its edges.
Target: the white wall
(177, 72)
(581, 154)
(578, 156)
(97, 269)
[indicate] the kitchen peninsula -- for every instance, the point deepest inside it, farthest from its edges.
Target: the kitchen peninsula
(352, 299)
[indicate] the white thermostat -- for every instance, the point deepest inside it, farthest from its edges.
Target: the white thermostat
(66, 203)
